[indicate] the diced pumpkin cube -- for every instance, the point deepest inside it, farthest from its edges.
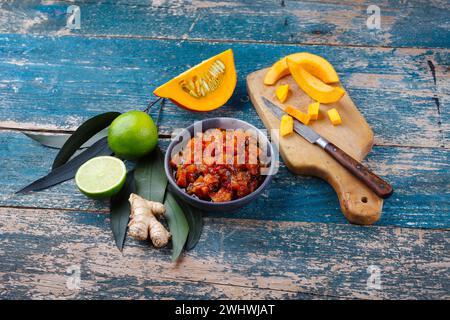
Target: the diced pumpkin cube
(313, 110)
(334, 116)
(282, 92)
(286, 125)
(297, 114)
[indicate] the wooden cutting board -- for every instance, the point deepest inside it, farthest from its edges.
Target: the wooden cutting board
(358, 203)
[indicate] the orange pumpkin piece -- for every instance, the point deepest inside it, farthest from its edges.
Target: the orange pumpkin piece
(297, 114)
(313, 110)
(313, 86)
(282, 92)
(286, 125)
(314, 64)
(334, 116)
(204, 87)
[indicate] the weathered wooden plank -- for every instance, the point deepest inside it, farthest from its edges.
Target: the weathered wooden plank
(171, 19)
(234, 259)
(41, 285)
(420, 177)
(394, 89)
(316, 22)
(324, 23)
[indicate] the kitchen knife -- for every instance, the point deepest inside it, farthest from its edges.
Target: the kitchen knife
(381, 187)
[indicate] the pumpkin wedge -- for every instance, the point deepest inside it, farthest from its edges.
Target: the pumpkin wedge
(204, 87)
(313, 86)
(314, 64)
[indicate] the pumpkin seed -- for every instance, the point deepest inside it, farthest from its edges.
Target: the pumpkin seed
(201, 86)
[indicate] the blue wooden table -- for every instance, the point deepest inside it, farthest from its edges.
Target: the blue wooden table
(293, 242)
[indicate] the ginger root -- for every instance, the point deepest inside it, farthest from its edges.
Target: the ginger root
(144, 214)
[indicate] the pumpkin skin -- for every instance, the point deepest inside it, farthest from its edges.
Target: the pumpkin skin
(314, 64)
(313, 86)
(213, 100)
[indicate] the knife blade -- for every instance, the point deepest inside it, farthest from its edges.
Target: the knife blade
(381, 187)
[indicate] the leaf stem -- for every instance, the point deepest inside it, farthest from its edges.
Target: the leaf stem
(161, 106)
(150, 105)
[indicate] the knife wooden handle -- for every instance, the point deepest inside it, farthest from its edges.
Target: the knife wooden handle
(381, 187)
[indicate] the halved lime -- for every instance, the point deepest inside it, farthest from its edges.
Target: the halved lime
(101, 177)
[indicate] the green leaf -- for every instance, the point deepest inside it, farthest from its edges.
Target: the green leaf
(83, 134)
(178, 225)
(151, 180)
(194, 218)
(57, 141)
(52, 141)
(67, 171)
(120, 211)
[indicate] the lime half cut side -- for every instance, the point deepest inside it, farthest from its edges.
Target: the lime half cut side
(101, 177)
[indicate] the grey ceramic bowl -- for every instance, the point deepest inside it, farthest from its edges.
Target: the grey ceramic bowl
(224, 123)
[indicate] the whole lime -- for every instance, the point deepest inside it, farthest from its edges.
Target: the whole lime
(132, 135)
